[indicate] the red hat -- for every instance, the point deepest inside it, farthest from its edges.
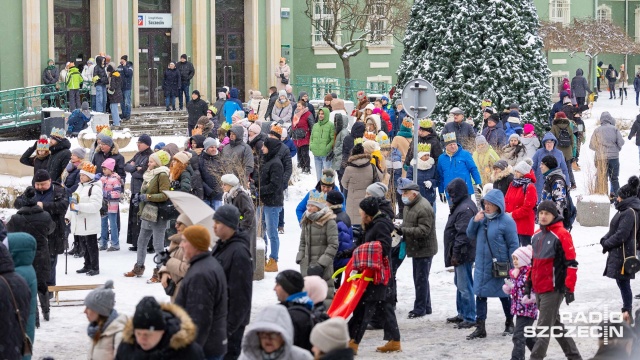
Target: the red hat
(560, 115)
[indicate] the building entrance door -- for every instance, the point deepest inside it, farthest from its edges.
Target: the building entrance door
(154, 56)
(72, 40)
(230, 45)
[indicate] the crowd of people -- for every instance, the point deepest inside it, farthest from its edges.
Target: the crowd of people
(374, 204)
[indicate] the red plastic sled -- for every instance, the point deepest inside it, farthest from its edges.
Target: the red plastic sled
(348, 295)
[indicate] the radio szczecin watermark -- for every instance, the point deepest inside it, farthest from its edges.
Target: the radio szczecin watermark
(582, 325)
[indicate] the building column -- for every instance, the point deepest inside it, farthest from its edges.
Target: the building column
(121, 29)
(31, 42)
(51, 49)
(179, 27)
(98, 19)
(252, 47)
(274, 39)
(213, 70)
(135, 57)
(199, 45)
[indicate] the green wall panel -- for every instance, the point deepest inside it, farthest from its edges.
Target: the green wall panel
(11, 59)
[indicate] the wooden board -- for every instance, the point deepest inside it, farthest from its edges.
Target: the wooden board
(56, 289)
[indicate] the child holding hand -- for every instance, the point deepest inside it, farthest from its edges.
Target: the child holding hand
(112, 189)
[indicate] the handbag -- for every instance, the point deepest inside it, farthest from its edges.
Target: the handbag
(499, 269)
(27, 346)
(283, 79)
(149, 212)
(631, 264)
(298, 134)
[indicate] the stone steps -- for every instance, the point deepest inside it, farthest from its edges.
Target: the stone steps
(157, 123)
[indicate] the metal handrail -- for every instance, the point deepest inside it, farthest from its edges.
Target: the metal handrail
(318, 86)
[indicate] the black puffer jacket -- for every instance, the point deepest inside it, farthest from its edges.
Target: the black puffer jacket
(285, 158)
(378, 230)
(140, 159)
(621, 234)
(203, 294)
(60, 156)
(100, 71)
(357, 131)
(456, 242)
(71, 180)
(211, 169)
(11, 338)
(197, 187)
(196, 108)
(235, 258)
(114, 154)
(171, 83)
(27, 159)
(271, 173)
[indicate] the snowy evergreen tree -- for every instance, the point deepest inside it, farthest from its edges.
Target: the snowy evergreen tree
(472, 50)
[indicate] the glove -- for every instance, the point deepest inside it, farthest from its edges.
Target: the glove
(345, 254)
(479, 188)
(455, 261)
(428, 184)
(405, 167)
(443, 198)
(527, 288)
(398, 229)
(315, 269)
(402, 252)
(569, 297)
(605, 248)
(357, 233)
(135, 199)
(144, 198)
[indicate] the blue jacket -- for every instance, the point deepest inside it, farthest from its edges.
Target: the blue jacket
(292, 148)
(302, 206)
(495, 136)
(501, 234)
(541, 153)
(77, 122)
(345, 236)
(424, 175)
(460, 165)
(126, 72)
(232, 105)
(513, 129)
(557, 106)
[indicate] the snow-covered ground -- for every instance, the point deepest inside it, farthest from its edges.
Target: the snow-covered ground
(64, 336)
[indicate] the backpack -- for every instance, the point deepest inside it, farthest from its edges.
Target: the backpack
(564, 139)
(104, 209)
(569, 213)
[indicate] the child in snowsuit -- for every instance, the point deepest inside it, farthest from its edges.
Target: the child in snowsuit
(523, 306)
(112, 189)
(427, 174)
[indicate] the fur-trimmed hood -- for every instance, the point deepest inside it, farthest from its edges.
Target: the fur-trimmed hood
(360, 160)
(502, 174)
(179, 333)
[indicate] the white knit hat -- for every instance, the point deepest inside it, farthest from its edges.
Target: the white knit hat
(230, 179)
(330, 335)
(523, 167)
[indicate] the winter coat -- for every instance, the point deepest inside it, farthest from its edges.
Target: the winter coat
(186, 70)
(34, 161)
(282, 113)
(402, 144)
(531, 145)
(259, 106)
(197, 187)
(555, 189)
(514, 154)
(239, 152)
(114, 154)
(495, 136)
(271, 178)
(425, 173)
(553, 264)
(280, 71)
(210, 170)
(183, 183)
(177, 343)
(171, 84)
(345, 234)
(112, 190)
(74, 79)
(484, 161)
(241, 199)
(235, 258)
(11, 338)
(203, 295)
(579, 85)
(517, 294)
(50, 76)
(176, 266)
(87, 75)
(540, 154)
(115, 86)
(635, 130)
(380, 230)
(465, 134)
(302, 205)
(502, 180)
(153, 191)
(557, 106)
(623, 79)
(621, 234)
(77, 122)
(358, 175)
(322, 136)
(293, 151)
(458, 165)
(457, 245)
(357, 131)
(278, 321)
(100, 72)
(499, 233)
(85, 220)
(419, 228)
(60, 156)
(109, 341)
(556, 128)
(303, 124)
(141, 159)
(318, 246)
(229, 108)
(520, 203)
(607, 137)
(126, 73)
(196, 109)
(22, 247)
(285, 158)
(340, 125)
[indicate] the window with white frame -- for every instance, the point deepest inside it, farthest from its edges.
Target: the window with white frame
(559, 11)
(379, 84)
(556, 80)
(323, 18)
(378, 24)
(604, 13)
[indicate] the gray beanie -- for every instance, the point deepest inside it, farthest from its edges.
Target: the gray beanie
(209, 142)
(227, 215)
(105, 139)
(523, 167)
(79, 152)
(377, 190)
(330, 335)
(480, 139)
(102, 299)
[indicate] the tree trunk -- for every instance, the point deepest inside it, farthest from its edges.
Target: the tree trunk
(591, 84)
(346, 65)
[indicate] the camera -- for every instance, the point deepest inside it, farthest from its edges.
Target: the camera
(162, 257)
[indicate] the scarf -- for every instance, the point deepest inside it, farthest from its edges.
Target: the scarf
(151, 173)
(274, 355)
(313, 217)
(93, 327)
(233, 192)
(521, 182)
(425, 165)
(298, 114)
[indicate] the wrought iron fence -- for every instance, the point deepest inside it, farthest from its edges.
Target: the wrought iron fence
(20, 107)
(318, 86)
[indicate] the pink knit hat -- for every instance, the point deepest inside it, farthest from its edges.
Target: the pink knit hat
(109, 164)
(523, 254)
(528, 128)
(316, 288)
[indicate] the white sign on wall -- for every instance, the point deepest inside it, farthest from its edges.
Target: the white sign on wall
(154, 20)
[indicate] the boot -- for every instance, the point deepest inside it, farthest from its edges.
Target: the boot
(508, 327)
(455, 320)
(353, 346)
(154, 278)
(137, 271)
(575, 166)
(391, 346)
(271, 265)
(133, 248)
(281, 230)
(479, 332)
(75, 248)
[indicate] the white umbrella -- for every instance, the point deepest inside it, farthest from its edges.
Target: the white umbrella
(193, 208)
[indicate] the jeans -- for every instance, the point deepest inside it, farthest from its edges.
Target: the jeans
(271, 214)
(421, 268)
(147, 229)
(572, 179)
(114, 114)
(524, 239)
(281, 218)
(481, 307)
(637, 95)
(627, 295)
(126, 103)
(110, 222)
(463, 279)
(52, 274)
(74, 99)
(170, 100)
(321, 162)
(519, 341)
(101, 98)
(214, 204)
(187, 97)
(613, 171)
(548, 317)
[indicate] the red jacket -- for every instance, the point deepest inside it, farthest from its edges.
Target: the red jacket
(521, 206)
(384, 116)
(553, 265)
(302, 124)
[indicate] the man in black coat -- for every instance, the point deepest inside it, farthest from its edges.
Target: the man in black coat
(108, 150)
(232, 251)
(12, 286)
(187, 71)
(203, 292)
(196, 108)
(137, 167)
(290, 292)
(426, 135)
(211, 168)
(460, 251)
(59, 147)
(273, 97)
(271, 197)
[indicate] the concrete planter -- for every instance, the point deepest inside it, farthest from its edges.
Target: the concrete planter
(122, 139)
(258, 273)
(593, 210)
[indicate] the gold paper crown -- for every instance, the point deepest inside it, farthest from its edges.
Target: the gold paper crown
(426, 123)
(486, 102)
(58, 133)
(99, 128)
(225, 125)
(106, 131)
(317, 196)
(424, 148)
(195, 132)
(449, 137)
(357, 141)
(369, 135)
(88, 167)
